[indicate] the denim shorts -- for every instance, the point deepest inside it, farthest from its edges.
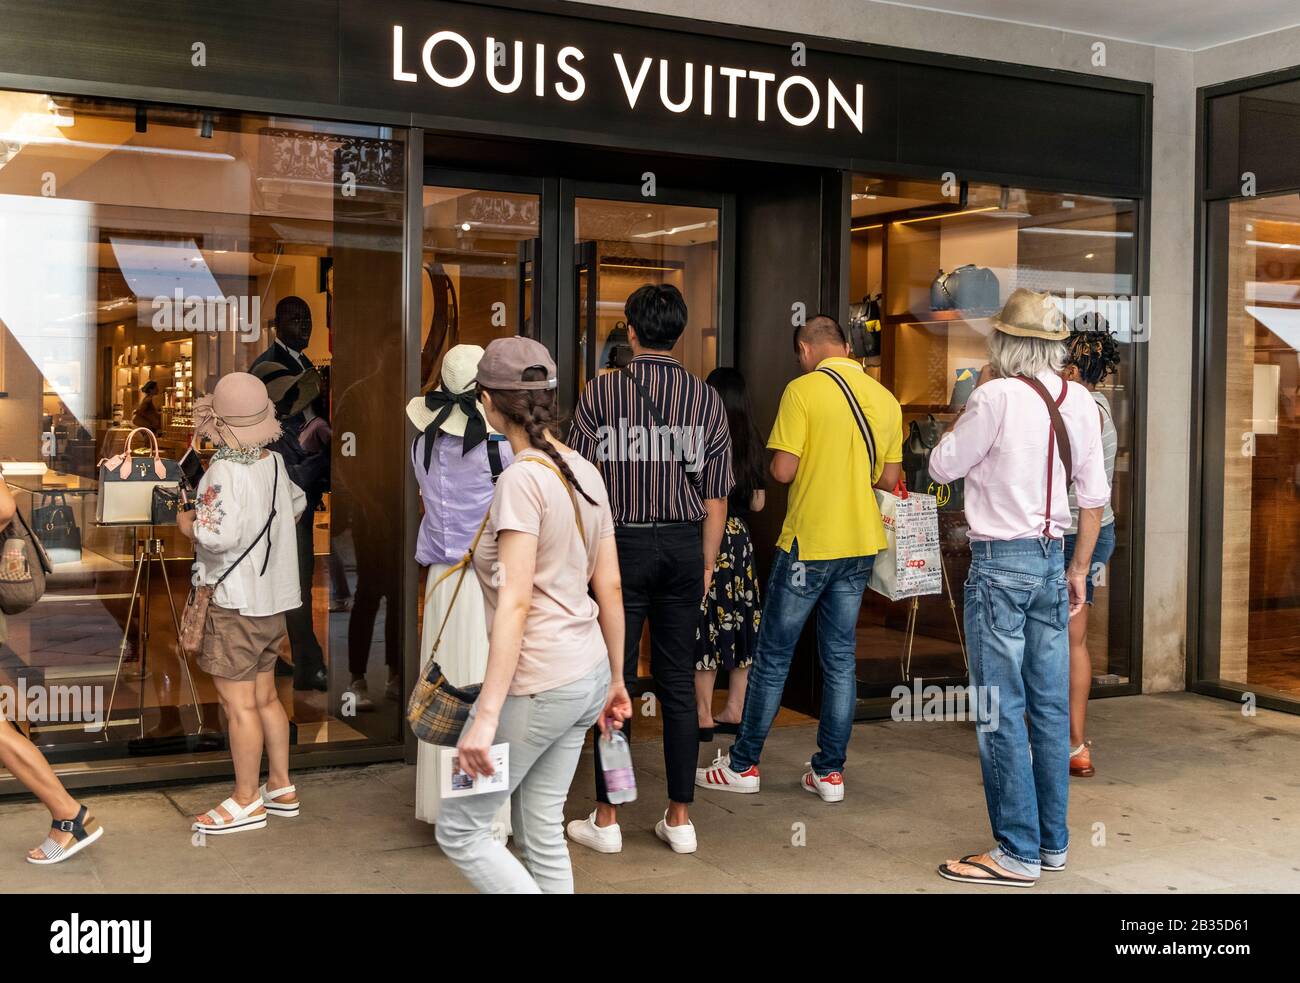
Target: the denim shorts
(1101, 554)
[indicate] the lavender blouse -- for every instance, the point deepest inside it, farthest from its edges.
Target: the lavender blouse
(456, 491)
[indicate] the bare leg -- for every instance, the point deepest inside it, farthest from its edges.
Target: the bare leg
(1080, 676)
(704, 682)
(737, 680)
(275, 734)
(22, 759)
(239, 700)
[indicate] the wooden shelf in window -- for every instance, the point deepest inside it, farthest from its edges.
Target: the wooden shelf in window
(936, 317)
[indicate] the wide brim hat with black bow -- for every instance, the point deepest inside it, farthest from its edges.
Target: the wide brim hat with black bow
(452, 406)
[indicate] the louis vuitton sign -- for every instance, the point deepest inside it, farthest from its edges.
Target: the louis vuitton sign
(493, 65)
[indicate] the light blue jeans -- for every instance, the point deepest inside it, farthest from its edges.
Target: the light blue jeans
(545, 733)
(1017, 636)
(795, 588)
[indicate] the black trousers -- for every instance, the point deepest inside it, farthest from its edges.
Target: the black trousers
(307, 654)
(663, 580)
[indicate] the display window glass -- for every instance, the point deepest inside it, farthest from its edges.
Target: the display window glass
(1258, 375)
(143, 253)
(931, 262)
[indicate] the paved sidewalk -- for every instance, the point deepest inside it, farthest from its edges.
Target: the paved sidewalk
(1190, 797)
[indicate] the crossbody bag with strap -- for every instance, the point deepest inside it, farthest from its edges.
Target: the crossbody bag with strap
(859, 417)
(194, 618)
(1058, 440)
(437, 710)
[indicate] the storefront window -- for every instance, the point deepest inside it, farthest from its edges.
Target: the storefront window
(930, 264)
(1259, 600)
(144, 252)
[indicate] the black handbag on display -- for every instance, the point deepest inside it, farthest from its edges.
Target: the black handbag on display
(922, 436)
(56, 523)
(864, 327)
(166, 503)
(967, 288)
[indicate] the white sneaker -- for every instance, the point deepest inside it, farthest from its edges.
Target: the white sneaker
(830, 788)
(361, 695)
(602, 839)
(720, 776)
(680, 838)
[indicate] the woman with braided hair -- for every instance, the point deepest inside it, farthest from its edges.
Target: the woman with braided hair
(1093, 355)
(555, 649)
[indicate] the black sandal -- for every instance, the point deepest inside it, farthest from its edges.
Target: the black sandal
(56, 853)
(996, 879)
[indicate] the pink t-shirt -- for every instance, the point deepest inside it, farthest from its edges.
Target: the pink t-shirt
(562, 640)
(999, 445)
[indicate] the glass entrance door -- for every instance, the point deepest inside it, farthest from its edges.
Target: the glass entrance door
(480, 264)
(619, 241)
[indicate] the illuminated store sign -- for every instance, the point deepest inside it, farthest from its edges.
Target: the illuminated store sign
(512, 66)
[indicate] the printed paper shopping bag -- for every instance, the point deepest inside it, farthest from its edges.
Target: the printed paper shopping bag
(910, 564)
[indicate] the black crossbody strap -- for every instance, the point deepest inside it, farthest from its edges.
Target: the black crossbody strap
(864, 428)
(655, 414)
(494, 458)
(266, 531)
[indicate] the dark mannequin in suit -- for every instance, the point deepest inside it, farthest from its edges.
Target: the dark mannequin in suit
(292, 336)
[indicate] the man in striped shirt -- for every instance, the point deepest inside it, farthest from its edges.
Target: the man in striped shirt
(659, 437)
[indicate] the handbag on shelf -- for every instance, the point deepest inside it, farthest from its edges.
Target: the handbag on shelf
(23, 567)
(864, 327)
(56, 524)
(194, 619)
(127, 483)
(967, 288)
(437, 710)
(922, 436)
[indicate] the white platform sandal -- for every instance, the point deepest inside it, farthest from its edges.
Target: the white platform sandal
(83, 834)
(285, 809)
(242, 818)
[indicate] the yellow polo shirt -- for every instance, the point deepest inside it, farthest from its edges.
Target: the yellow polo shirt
(832, 508)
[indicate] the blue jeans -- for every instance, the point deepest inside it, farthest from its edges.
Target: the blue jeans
(794, 588)
(1101, 554)
(1017, 621)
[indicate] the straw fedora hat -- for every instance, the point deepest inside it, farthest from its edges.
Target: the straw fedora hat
(238, 412)
(1029, 314)
(459, 367)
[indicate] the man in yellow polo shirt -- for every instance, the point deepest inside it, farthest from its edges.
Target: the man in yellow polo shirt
(823, 561)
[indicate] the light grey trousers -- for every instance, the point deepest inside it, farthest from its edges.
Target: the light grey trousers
(545, 733)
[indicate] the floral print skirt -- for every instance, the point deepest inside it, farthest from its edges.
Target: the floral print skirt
(729, 615)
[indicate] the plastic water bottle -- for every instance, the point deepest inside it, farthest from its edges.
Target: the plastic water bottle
(616, 763)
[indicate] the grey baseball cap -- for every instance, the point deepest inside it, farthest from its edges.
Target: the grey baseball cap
(504, 362)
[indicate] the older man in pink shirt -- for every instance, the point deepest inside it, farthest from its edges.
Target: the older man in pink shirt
(1023, 438)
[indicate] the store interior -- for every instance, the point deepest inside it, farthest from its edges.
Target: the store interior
(126, 226)
(924, 336)
(1260, 600)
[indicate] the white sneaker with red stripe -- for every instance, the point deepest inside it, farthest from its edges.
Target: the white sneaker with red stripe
(830, 787)
(720, 776)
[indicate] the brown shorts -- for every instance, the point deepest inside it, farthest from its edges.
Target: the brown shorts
(238, 646)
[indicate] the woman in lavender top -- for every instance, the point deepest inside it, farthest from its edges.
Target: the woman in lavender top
(456, 458)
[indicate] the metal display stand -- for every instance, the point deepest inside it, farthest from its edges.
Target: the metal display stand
(148, 550)
(912, 613)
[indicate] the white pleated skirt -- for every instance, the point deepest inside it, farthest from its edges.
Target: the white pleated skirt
(463, 656)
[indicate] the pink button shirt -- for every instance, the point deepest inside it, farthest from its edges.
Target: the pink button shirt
(999, 445)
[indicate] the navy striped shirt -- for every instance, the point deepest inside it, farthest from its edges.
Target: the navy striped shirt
(653, 474)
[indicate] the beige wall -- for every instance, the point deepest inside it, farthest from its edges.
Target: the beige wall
(1174, 75)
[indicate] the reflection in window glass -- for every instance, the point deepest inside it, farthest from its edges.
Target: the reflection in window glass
(928, 269)
(1260, 601)
(145, 253)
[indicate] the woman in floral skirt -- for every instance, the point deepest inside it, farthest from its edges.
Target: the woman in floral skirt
(730, 613)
